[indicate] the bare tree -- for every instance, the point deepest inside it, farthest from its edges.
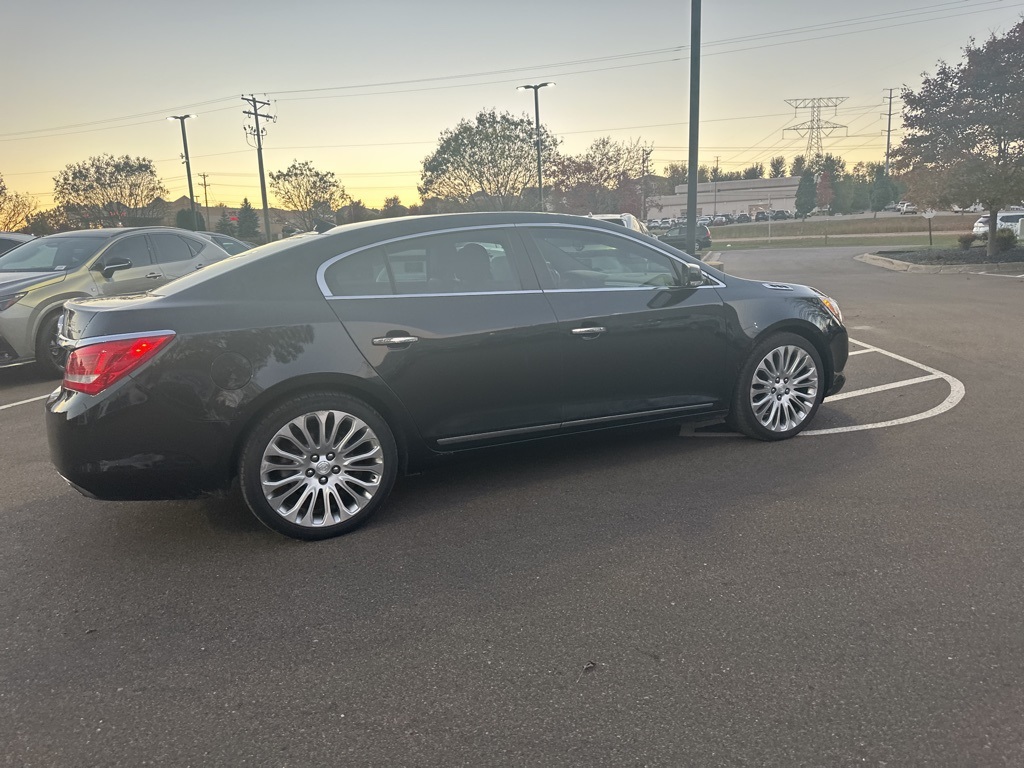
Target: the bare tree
(15, 208)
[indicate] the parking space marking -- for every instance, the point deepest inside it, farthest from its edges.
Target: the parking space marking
(956, 394)
(24, 402)
(883, 387)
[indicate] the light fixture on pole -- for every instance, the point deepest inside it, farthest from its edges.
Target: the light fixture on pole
(188, 168)
(536, 110)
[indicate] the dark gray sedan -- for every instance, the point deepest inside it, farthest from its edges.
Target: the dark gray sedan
(318, 370)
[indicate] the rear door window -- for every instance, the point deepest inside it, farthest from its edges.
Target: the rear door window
(172, 248)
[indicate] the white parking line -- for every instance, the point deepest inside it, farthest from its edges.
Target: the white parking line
(956, 394)
(24, 402)
(883, 387)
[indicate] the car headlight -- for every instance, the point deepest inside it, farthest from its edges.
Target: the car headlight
(10, 300)
(831, 305)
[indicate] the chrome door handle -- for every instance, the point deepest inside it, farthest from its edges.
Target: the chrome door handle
(388, 341)
(154, 275)
(592, 331)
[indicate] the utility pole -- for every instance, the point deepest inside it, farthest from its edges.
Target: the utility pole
(206, 199)
(643, 184)
(259, 133)
(888, 131)
(815, 128)
(691, 180)
(716, 185)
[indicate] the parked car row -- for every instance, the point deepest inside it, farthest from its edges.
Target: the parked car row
(38, 275)
(722, 219)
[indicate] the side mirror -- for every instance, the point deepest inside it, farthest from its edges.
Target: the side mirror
(693, 276)
(114, 265)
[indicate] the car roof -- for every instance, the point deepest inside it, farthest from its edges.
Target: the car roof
(113, 231)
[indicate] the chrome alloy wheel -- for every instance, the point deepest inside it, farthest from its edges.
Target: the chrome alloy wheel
(321, 468)
(784, 388)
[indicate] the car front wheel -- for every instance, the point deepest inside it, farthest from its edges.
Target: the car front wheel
(780, 388)
(50, 356)
(318, 465)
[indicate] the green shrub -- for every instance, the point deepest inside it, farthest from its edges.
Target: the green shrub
(966, 241)
(1005, 239)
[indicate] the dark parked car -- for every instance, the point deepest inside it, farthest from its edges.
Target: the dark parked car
(676, 237)
(318, 370)
(230, 244)
(761, 216)
(10, 239)
(781, 215)
(743, 218)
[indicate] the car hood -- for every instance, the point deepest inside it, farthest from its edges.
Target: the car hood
(14, 282)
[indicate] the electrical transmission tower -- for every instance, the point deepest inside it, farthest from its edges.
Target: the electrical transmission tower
(815, 128)
(258, 133)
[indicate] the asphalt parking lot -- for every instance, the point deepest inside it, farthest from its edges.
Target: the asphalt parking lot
(662, 598)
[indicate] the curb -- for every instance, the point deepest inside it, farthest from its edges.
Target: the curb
(708, 259)
(1009, 268)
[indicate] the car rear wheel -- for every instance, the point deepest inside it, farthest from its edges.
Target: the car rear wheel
(50, 356)
(780, 388)
(318, 465)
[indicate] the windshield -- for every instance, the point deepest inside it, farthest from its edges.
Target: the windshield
(57, 254)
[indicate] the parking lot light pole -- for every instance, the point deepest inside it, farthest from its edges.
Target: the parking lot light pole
(536, 111)
(188, 169)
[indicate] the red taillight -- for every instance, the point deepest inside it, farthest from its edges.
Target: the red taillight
(93, 368)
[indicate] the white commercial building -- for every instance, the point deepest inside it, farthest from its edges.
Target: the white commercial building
(744, 196)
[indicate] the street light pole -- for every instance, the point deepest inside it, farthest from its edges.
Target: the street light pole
(188, 169)
(536, 111)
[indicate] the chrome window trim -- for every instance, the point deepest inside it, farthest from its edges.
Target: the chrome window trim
(88, 341)
(432, 295)
(322, 269)
(717, 283)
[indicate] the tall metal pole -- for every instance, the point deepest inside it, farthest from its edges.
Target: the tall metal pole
(536, 112)
(691, 180)
(188, 169)
(540, 172)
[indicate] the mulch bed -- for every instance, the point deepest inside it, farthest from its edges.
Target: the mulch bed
(953, 256)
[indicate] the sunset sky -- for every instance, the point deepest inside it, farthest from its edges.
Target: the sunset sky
(364, 89)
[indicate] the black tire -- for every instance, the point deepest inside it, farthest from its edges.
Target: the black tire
(753, 412)
(327, 497)
(50, 358)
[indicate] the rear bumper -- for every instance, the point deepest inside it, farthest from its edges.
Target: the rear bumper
(127, 447)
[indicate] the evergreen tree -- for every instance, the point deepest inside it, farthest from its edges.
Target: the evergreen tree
(248, 226)
(799, 166)
(806, 194)
(225, 225)
(777, 167)
(184, 220)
